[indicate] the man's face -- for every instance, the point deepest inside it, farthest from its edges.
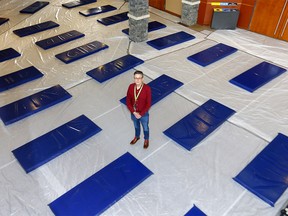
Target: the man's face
(138, 79)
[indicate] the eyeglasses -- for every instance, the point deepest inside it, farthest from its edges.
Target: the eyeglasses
(137, 78)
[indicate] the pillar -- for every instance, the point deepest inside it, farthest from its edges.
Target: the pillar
(138, 20)
(189, 12)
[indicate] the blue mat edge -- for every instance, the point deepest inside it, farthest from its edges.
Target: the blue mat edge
(150, 173)
(26, 12)
(61, 43)
(70, 61)
(89, 73)
(63, 5)
(250, 89)
(61, 152)
(68, 95)
(204, 65)
(200, 139)
(17, 54)
(22, 82)
(97, 13)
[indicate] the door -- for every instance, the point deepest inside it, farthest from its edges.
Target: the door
(159, 4)
(266, 17)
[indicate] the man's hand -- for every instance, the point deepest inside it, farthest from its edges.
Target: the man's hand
(137, 115)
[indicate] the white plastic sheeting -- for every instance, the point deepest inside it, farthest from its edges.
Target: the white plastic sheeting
(181, 178)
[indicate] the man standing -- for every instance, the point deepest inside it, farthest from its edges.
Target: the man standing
(138, 102)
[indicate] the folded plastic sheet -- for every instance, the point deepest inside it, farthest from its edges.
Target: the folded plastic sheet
(257, 76)
(81, 52)
(195, 211)
(114, 68)
(197, 125)
(97, 10)
(19, 77)
(8, 54)
(266, 175)
(32, 104)
(33, 8)
(152, 26)
(77, 3)
(54, 143)
(59, 39)
(114, 19)
(35, 28)
(160, 88)
(212, 54)
(3, 20)
(170, 40)
(100, 191)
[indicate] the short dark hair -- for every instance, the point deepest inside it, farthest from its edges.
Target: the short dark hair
(138, 72)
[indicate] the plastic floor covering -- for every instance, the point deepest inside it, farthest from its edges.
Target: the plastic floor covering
(181, 179)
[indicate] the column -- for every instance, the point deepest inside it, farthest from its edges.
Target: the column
(138, 20)
(189, 12)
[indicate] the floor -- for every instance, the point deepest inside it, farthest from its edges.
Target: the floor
(202, 176)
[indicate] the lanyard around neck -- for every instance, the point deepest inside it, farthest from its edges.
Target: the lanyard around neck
(137, 95)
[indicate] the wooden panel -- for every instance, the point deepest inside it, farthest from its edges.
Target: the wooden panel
(246, 12)
(159, 4)
(282, 33)
(174, 6)
(266, 16)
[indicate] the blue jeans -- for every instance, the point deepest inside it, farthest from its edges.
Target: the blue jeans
(144, 121)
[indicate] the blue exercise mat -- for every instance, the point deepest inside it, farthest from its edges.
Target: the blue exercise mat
(81, 52)
(19, 77)
(160, 88)
(97, 10)
(8, 54)
(212, 54)
(101, 190)
(59, 39)
(197, 125)
(3, 20)
(266, 175)
(114, 68)
(257, 76)
(33, 8)
(114, 19)
(77, 3)
(27, 106)
(54, 143)
(170, 40)
(35, 28)
(152, 26)
(195, 211)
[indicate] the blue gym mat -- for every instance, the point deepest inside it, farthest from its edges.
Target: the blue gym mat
(257, 76)
(35, 28)
(19, 77)
(3, 20)
(81, 52)
(114, 68)
(152, 26)
(197, 125)
(170, 40)
(195, 211)
(77, 3)
(8, 54)
(54, 143)
(27, 106)
(59, 39)
(100, 191)
(97, 10)
(33, 8)
(212, 54)
(267, 174)
(114, 19)
(160, 88)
